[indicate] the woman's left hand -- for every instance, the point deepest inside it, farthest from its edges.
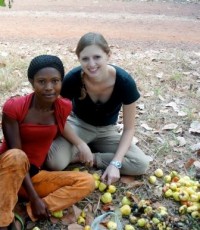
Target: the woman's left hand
(111, 175)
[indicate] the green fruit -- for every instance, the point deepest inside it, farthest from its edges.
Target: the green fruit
(158, 173)
(129, 227)
(155, 220)
(111, 189)
(81, 220)
(102, 186)
(132, 219)
(111, 225)
(141, 222)
(152, 179)
(168, 193)
(96, 176)
(125, 200)
(106, 198)
(57, 214)
(167, 178)
(125, 210)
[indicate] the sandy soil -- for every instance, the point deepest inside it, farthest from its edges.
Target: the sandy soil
(126, 23)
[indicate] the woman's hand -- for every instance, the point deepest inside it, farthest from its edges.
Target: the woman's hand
(85, 155)
(40, 209)
(111, 175)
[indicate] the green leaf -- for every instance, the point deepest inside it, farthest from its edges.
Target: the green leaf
(2, 3)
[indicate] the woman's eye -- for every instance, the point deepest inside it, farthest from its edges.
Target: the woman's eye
(41, 82)
(85, 59)
(56, 81)
(97, 57)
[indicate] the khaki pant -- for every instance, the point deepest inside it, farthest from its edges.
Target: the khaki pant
(103, 142)
(59, 190)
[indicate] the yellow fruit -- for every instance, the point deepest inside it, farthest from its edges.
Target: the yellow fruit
(173, 186)
(57, 214)
(125, 210)
(155, 220)
(143, 203)
(102, 186)
(96, 176)
(158, 173)
(111, 189)
(195, 214)
(126, 200)
(76, 169)
(81, 220)
(36, 228)
(162, 208)
(173, 174)
(192, 208)
(176, 196)
(83, 214)
(152, 179)
(167, 178)
(97, 182)
(106, 198)
(184, 196)
(194, 198)
(141, 222)
(183, 209)
(168, 193)
(132, 219)
(111, 225)
(129, 227)
(148, 210)
(87, 227)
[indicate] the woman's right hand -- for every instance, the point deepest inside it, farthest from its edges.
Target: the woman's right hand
(40, 209)
(85, 155)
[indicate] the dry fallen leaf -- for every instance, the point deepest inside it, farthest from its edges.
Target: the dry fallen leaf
(195, 127)
(170, 126)
(145, 126)
(181, 141)
(75, 227)
(189, 163)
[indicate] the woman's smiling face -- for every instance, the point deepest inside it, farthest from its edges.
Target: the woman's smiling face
(47, 84)
(93, 60)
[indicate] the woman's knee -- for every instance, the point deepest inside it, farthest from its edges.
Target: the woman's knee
(136, 162)
(18, 159)
(88, 181)
(59, 155)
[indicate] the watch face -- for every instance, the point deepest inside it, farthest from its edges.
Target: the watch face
(117, 164)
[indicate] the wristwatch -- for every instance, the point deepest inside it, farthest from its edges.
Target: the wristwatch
(117, 164)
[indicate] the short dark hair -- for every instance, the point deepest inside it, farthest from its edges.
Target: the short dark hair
(43, 61)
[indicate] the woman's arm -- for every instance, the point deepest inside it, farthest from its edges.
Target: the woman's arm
(39, 208)
(129, 112)
(112, 174)
(84, 153)
(11, 133)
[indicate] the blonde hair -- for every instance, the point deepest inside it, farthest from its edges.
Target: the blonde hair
(92, 38)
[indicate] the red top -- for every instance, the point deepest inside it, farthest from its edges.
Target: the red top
(36, 139)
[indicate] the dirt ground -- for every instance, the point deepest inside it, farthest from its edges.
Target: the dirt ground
(137, 24)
